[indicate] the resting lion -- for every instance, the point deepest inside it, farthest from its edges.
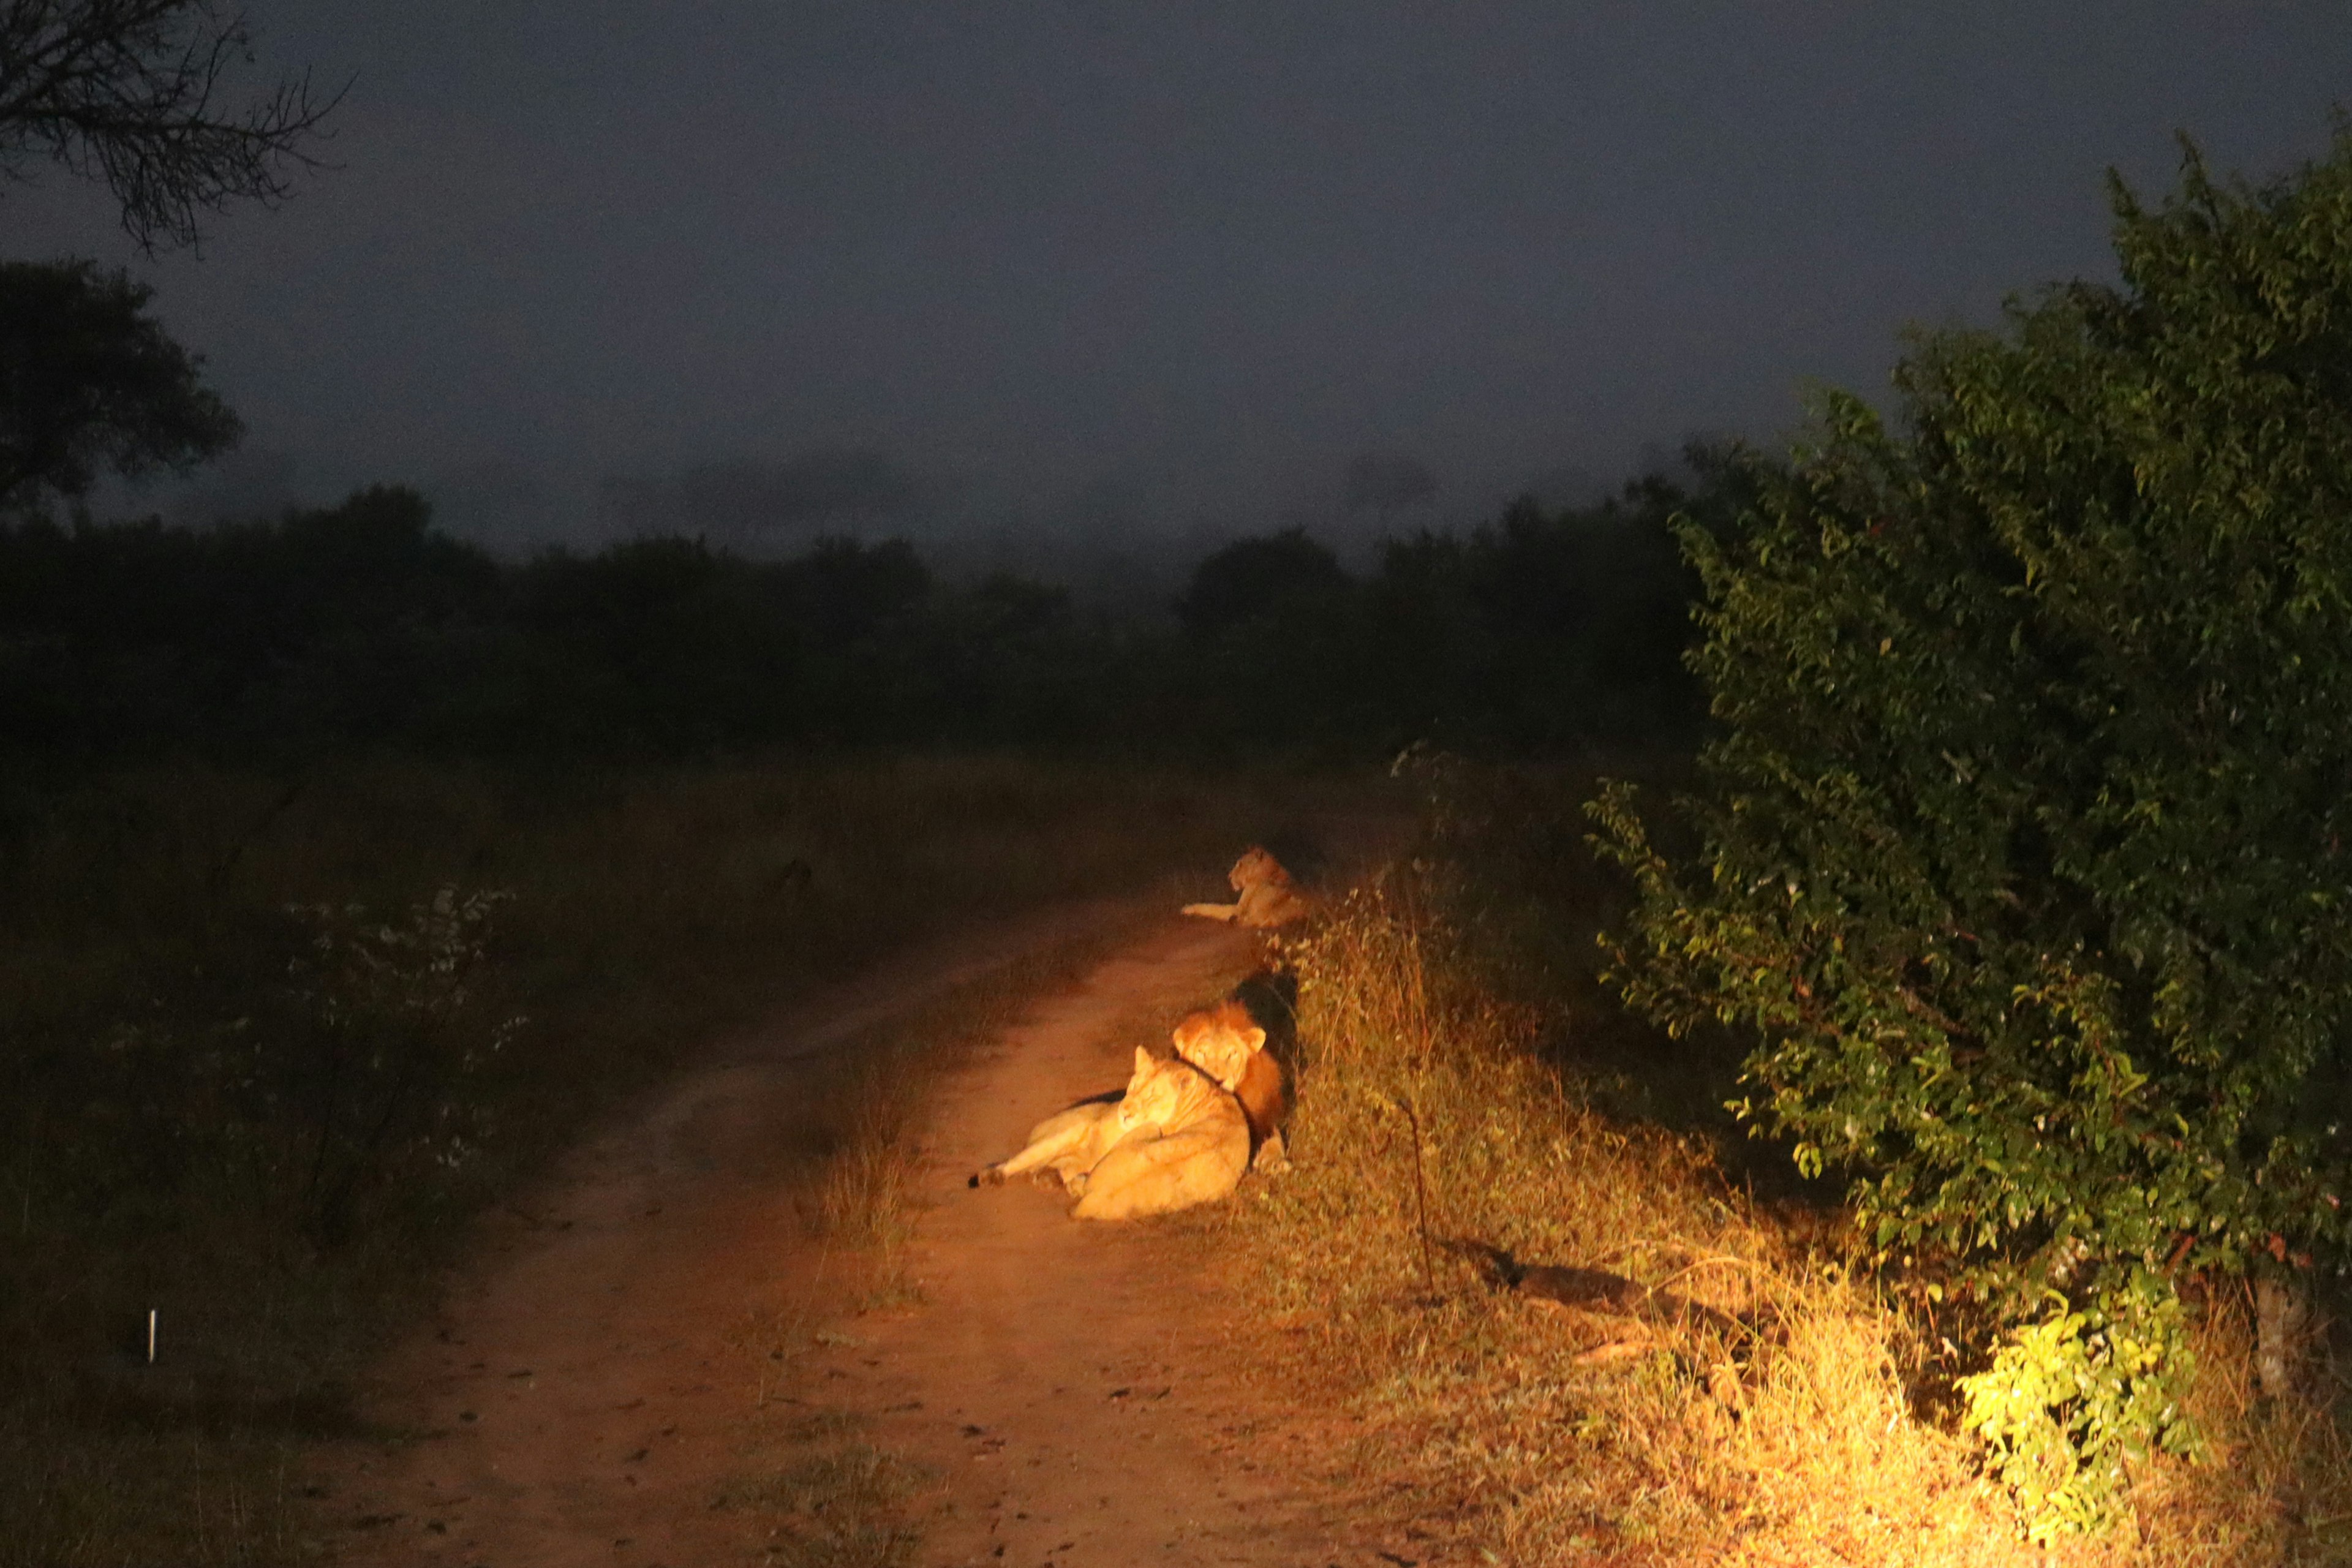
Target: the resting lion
(1174, 1139)
(1227, 1043)
(1269, 897)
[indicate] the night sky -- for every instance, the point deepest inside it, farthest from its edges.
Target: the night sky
(1109, 274)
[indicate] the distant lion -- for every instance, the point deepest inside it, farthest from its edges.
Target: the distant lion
(1227, 1044)
(1174, 1139)
(1269, 897)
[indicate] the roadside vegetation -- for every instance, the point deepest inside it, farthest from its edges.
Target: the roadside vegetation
(1467, 1083)
(2004, 902)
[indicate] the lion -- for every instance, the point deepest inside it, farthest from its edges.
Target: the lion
(1268, 898)
(1227, 1044)
(1174, 1139)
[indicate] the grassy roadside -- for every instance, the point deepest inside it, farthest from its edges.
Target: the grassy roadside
(258, 1064)
(1463, 1082)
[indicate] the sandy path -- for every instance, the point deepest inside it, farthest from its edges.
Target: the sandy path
(1070, 1385)
(584, 1394)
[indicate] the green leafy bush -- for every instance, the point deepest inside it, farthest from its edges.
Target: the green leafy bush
(2069, 1399)
(2020, 858)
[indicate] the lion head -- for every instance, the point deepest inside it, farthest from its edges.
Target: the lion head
(1220, 1042)
(1256, 867)
(1163, 1093)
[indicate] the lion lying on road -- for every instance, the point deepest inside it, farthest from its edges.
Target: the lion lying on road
(1174, 1139)
(1227, 1043)
(1269, 897)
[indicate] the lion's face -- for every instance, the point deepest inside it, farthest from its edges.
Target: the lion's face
(1255, 866)
(1220, 1042)
(1160, 1093)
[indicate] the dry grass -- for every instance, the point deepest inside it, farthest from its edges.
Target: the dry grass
(144, 925)
(1427, 1114)
(838, 1504)
(863, 1199)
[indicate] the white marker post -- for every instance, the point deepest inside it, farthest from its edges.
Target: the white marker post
(151, 1336)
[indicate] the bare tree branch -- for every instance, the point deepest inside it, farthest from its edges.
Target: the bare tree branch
(132, 93)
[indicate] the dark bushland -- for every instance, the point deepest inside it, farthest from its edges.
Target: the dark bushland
(1544, 634)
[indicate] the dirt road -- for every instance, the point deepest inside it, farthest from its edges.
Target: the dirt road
(1062, 1391)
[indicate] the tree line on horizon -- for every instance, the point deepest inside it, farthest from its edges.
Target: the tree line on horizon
(1545, 632)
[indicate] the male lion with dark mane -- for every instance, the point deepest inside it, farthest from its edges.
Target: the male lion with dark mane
(1268, 898)
(1227, 1044)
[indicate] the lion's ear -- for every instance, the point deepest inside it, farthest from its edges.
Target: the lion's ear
(1254, 1037)
(1142, 1060)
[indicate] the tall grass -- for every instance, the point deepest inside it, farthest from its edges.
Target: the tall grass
(1442, 1101)
(225, 1000)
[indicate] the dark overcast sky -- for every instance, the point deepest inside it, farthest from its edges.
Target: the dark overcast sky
(1162, 267)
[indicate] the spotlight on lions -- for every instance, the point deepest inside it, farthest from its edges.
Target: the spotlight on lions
(1227, 1044)
(1174, 1139)
(1267, 896)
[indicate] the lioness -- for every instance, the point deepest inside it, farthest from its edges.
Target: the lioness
(1174, 1139)
(1269, 897)
(1070, 1143)
(1227, 1044)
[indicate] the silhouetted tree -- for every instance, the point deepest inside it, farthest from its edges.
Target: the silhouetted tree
(90, 384)
(659, 645)
(355, 621)
(1252, 578)
(842, 589)
(131, 91)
